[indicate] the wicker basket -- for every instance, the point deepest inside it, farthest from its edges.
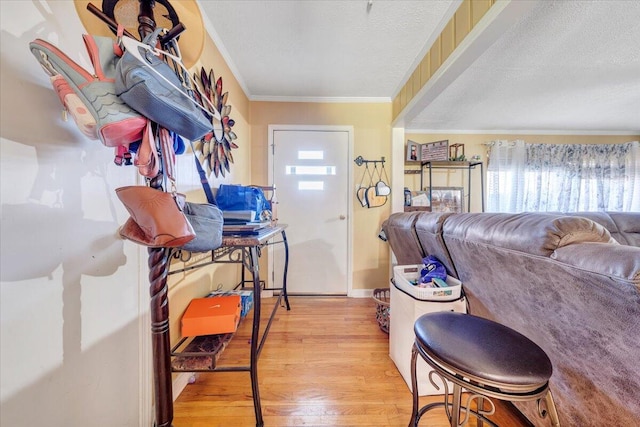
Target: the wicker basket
(381, 297)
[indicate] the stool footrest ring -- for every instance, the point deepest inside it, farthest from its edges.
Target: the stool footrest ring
(448, 406)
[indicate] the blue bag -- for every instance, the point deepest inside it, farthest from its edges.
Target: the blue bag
(433, 268)
(244, 198)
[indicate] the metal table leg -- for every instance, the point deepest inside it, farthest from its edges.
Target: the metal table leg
(255, 333)
(286, 269)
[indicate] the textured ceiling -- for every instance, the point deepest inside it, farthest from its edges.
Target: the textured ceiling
(564, 66)
(325, 49)
(559, 66)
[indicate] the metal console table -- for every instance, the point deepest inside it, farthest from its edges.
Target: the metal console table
(236, 249)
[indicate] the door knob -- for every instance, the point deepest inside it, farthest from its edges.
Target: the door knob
(342, 217)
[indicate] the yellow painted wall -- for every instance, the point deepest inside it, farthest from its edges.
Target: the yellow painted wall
(372, 136)
(197, 283)
(474, 144)
(469, 13)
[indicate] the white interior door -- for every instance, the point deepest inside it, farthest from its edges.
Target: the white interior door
(310, 169)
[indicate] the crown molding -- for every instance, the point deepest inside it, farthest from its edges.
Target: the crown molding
(522, 132)
(323, 99)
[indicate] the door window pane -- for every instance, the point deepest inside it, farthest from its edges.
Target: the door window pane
(310, 155)
(310, 170)
(311, 185)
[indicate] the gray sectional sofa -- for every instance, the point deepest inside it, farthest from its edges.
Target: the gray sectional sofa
(571, 283)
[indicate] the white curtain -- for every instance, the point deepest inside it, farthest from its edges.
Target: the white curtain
(523, 177)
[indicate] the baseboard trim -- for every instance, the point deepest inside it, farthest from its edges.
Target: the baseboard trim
(361, 293)
(180, 382)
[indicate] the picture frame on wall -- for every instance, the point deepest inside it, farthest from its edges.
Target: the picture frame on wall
(447, 199)
(413, 151)
(437, 151)
(420, 198)
(428, 151)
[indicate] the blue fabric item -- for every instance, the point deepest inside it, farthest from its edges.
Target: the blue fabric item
(178, 143)
(242, 198)
(433, 268)
(133, 147)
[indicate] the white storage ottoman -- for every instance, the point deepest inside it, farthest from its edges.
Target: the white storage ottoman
(409, 302)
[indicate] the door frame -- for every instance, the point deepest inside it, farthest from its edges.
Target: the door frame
(350, 185)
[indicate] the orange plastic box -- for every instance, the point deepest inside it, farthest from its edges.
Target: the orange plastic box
(209, 316)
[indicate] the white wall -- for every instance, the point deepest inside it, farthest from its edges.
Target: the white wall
(70, 291)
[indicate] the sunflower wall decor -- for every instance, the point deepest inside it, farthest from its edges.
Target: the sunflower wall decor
(214, 149)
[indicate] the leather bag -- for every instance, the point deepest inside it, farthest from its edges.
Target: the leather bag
(206, 220)
(150, 86)
(146, 158)
(157, 219)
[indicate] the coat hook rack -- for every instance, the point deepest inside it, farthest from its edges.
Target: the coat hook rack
(360, 160)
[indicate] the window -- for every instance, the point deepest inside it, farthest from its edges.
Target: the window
(524, 177)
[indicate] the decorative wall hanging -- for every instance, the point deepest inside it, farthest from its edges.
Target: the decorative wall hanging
(456, 153)
(214, 150)
(373, 190)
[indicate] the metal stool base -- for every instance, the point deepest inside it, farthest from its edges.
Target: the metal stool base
(481, 392)
(448, 406)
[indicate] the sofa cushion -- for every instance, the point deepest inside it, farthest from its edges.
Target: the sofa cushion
(628, 224)
(623, 226)
(533, 233)
(401, 235)
(621, 261)
(429, 234)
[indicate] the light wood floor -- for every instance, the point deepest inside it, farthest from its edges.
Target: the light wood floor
(325, 363)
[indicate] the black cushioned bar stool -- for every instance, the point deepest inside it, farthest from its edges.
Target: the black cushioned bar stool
(485, 358)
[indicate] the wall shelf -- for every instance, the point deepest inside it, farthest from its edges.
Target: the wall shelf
(462, 165)
(417, 208)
